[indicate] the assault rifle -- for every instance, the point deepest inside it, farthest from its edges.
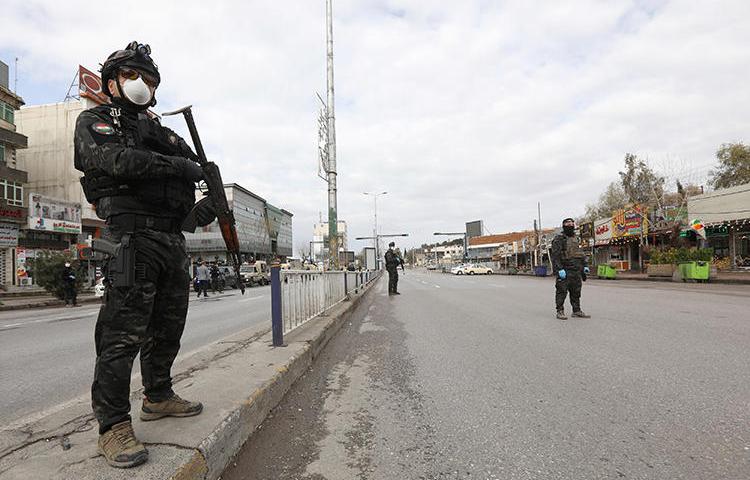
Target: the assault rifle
(216, 194)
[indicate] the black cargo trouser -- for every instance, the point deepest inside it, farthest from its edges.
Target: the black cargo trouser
(570, 284)
(146, 317)
(392, 280)
(70, 294)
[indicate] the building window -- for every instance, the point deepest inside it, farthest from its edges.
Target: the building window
(2, 153)
(12, 192)
(6, 112)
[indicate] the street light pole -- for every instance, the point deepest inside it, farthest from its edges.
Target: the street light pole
(333, 233)
(375, 231)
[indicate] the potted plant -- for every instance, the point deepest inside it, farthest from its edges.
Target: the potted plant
(694, 263)
(662, 263)
(605, 270)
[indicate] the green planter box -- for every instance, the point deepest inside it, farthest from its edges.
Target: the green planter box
(695, 270)
(605, 271)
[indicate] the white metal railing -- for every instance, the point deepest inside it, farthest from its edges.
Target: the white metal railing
(306, 294)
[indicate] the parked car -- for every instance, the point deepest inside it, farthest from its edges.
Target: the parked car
(476, 269)
(255, 273)
(431, 266)
(458, 270)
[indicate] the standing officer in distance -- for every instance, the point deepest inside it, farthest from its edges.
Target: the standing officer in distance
(392, 261)
(570, 268)
(69, 285)
(140, 178)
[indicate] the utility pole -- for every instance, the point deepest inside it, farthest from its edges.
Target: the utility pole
(333, 224)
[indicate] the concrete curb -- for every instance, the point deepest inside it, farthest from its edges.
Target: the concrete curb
(218, 449)
(239, 385)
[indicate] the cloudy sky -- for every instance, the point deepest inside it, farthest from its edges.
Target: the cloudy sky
(460, 110)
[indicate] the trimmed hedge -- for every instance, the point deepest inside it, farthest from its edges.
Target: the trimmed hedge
(679, 255)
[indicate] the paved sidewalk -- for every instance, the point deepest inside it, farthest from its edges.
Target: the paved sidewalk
(239, 380)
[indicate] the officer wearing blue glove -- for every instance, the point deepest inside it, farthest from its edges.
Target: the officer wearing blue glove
(570, 266)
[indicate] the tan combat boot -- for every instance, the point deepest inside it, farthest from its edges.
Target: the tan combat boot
(173, 407)
(120, 447)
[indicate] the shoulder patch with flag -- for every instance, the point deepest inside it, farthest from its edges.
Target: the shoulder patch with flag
(103, 128)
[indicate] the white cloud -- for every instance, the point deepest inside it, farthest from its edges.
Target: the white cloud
(461, 110)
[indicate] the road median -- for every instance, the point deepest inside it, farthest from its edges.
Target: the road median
(239, 380)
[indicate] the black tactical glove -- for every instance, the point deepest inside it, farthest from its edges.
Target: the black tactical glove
(190, 170)
(204, 212)
(201, 215)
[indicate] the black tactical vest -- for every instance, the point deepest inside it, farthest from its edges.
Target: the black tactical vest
(163, 197)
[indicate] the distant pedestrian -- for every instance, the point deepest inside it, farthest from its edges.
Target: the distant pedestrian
(203, 275)
(216, 279)
(392, 261)
(69, 285)
(570, 268)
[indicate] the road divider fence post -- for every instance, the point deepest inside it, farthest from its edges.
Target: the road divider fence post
(277, 327)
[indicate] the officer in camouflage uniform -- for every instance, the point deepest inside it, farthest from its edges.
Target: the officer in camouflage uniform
(570, 269)
(392, 262)
(140, 177)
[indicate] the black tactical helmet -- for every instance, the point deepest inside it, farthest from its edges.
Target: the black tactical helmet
(136, 55)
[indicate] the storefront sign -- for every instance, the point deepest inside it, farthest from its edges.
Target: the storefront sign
(587, 230)
(21, 262)
(628, 223)
(667, 218)
(53, 215)
(8, 235)
(9, 213)
(602, 231)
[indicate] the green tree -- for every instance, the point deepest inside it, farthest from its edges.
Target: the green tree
(733, 168)
(641, 185)
(47, 270)
(613, 198)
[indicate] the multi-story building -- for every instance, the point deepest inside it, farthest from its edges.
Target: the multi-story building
(445, 253)
(264, 231)
(13, 206)
(319, 244)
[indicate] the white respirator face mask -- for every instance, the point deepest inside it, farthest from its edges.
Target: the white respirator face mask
(137, 91)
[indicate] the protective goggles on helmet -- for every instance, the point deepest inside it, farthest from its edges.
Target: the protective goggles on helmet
(130, 50)
(133, 74)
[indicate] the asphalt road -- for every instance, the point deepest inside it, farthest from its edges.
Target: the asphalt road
(47, 355)
(474, 378)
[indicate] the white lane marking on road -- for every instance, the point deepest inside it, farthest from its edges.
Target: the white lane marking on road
(496, 285)
(252, 298)
(437, 286)
(47, 320)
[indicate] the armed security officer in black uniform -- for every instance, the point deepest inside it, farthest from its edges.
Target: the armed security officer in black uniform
(140, 178)
(392, 261)
(570, 267)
